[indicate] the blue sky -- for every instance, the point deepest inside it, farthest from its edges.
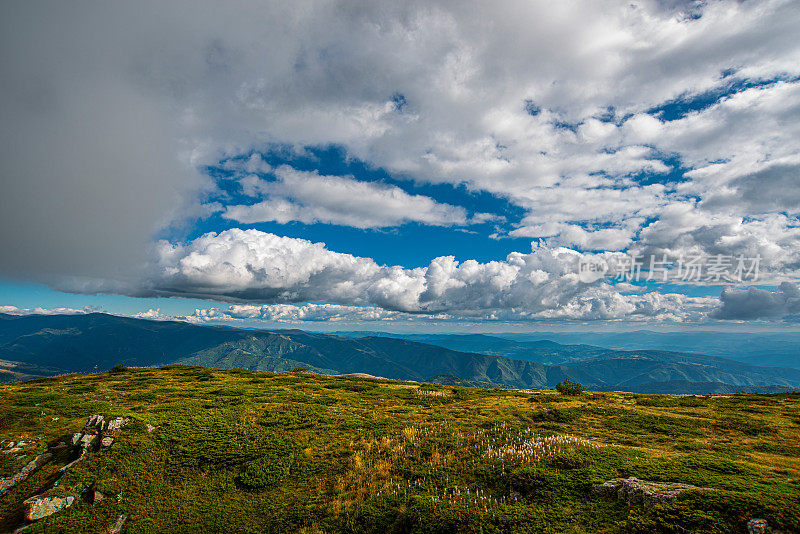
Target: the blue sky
(424, 165)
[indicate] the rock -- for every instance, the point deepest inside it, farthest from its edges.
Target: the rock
(39, 507)
(95, 421)
(151, 428)
(97, 497)
(758, 526)
(117, 528)
(107, 441)
(634, 491)
(87, 441)
(116, 424)
(76, 438)
(7, 483)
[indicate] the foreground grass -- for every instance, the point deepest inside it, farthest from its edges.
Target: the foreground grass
(241, 451)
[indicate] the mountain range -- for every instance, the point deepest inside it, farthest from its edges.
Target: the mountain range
(41, 345)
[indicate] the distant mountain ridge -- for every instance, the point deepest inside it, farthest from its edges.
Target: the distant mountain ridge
(81, 343)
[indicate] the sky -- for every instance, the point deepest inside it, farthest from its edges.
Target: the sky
(415, 165)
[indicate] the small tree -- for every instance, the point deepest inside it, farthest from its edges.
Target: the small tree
(568, 387)
(118, 369)
(299, 369)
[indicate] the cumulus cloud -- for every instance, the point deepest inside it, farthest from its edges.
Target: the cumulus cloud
(257, 267)
(153, 313)
(570, 235)
(755, 303)
(290, 313)
(310, 198)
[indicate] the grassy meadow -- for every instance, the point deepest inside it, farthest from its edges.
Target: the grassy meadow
(241, 451)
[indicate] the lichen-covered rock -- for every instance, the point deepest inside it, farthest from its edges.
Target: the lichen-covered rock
(88, 441)
(7, 483)
(647, 493)
(116, 424)
(40, 507)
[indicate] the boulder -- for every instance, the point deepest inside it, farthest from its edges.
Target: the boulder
(647, 493)
(88, 441)
(40, 507)
(107, 441)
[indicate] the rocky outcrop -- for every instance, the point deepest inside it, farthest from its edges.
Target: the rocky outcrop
(761, 526)
(41, 507)
(7, 483)
(110, 426)
(100, 433)
(647, 493)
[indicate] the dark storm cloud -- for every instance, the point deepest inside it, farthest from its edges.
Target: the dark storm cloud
(754, 303)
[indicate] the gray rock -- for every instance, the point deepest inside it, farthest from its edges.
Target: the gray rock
(634, 491)
(97, 497)
(107, 441)
(116, 424)
(758, 526)
(117, 527)
(40, 507)
(7, 483)
(88, 441)
(76, 438)
(95, 421)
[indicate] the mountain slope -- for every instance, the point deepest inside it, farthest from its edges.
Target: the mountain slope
(81, 343)
(193, 450)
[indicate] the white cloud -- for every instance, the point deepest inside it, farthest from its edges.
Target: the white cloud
(14, 310)
(153, 313)
(256, 267)
(310, 198)
(290, 313)
(570, 235)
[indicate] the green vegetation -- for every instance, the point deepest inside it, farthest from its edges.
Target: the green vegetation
(568, 387)
(118, 369)
(248, 452)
